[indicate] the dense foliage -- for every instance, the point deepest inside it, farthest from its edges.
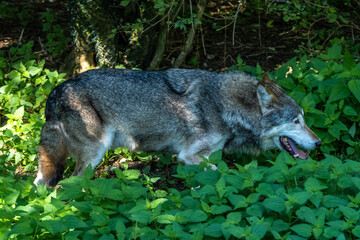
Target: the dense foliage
(279, 197)
(138, 32)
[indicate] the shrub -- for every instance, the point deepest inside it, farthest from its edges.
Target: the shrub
(24, 86)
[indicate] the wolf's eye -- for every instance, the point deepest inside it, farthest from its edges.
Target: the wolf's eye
(296, 121)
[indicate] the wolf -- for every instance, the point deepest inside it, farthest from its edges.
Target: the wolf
(180, 111)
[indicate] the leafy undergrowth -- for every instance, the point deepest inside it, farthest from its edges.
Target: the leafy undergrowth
(288, 200)
(271, 196)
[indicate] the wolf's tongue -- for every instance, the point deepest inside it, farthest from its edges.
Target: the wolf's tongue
(301, 154)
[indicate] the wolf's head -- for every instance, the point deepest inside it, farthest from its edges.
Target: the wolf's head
(282, 121)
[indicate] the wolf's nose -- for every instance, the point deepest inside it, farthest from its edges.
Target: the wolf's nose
(318, 143)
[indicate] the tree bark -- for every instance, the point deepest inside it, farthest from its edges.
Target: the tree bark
(190, 37)
(160, 48)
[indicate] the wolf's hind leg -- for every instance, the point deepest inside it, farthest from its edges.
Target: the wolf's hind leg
(53, 153)
(93, 150)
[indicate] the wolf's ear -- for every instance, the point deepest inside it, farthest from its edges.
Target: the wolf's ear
(265, 94)
(264, 97)
(266, 78)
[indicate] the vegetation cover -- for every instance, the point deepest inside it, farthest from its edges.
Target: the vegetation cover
(274, 196)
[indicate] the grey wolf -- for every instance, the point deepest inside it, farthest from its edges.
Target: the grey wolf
(184, 112)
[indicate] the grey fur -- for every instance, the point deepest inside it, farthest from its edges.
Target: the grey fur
(185, 112)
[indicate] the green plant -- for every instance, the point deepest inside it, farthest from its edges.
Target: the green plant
(308, 198)
(328, 89)
(24, 86)
(311, 19)
(56, 39)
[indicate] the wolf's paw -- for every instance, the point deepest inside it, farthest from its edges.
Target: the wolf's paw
(39, 179)
(213, 167)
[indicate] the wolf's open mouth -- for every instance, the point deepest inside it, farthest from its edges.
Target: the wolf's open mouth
(289, 145)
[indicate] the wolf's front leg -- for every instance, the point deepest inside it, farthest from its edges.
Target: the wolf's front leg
(205, 146)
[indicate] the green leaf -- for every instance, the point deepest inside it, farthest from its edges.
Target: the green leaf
(354, 86)
(349, 62)
(337, 224)
(304, 230)
(220, 187)
(114, 194)
(54, 226)
(229, 229)
(191, 216)
(234, 217)
(15, 76)
(99, 219)
(165, 219)
(260, 229)
(280, 226)
(352, 130)
(22, 228)
(34, 70)
(71, 188)
(72, 221)
(11, 198)
(317, 232)
(208, 177)
(220, 209)
(253, 198)
(308, 102)
(19, 113)
(214, 230)
(235, 181)
(239, 201)
(158, 202)
(314, 185)
(141, 216)
(299, 197)
(351, 215)
(339, 91)
(215, 157)
(274, 204)
(124, 3)
(330, 232)
(333, 201)
(356, 181)
(356, 231)
(318, 64)
(349, 111)
(334, 52)
(132, 174)
(255, 210)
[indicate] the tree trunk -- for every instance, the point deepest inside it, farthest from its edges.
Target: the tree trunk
(190, 37)
(160, 48)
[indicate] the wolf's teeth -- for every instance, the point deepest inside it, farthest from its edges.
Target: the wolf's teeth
(296, 155)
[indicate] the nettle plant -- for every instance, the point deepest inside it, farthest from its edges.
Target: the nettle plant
(287, 200)
(24, 86)
(328, 89)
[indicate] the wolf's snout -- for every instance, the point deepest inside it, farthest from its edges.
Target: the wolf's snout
(318, 143)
